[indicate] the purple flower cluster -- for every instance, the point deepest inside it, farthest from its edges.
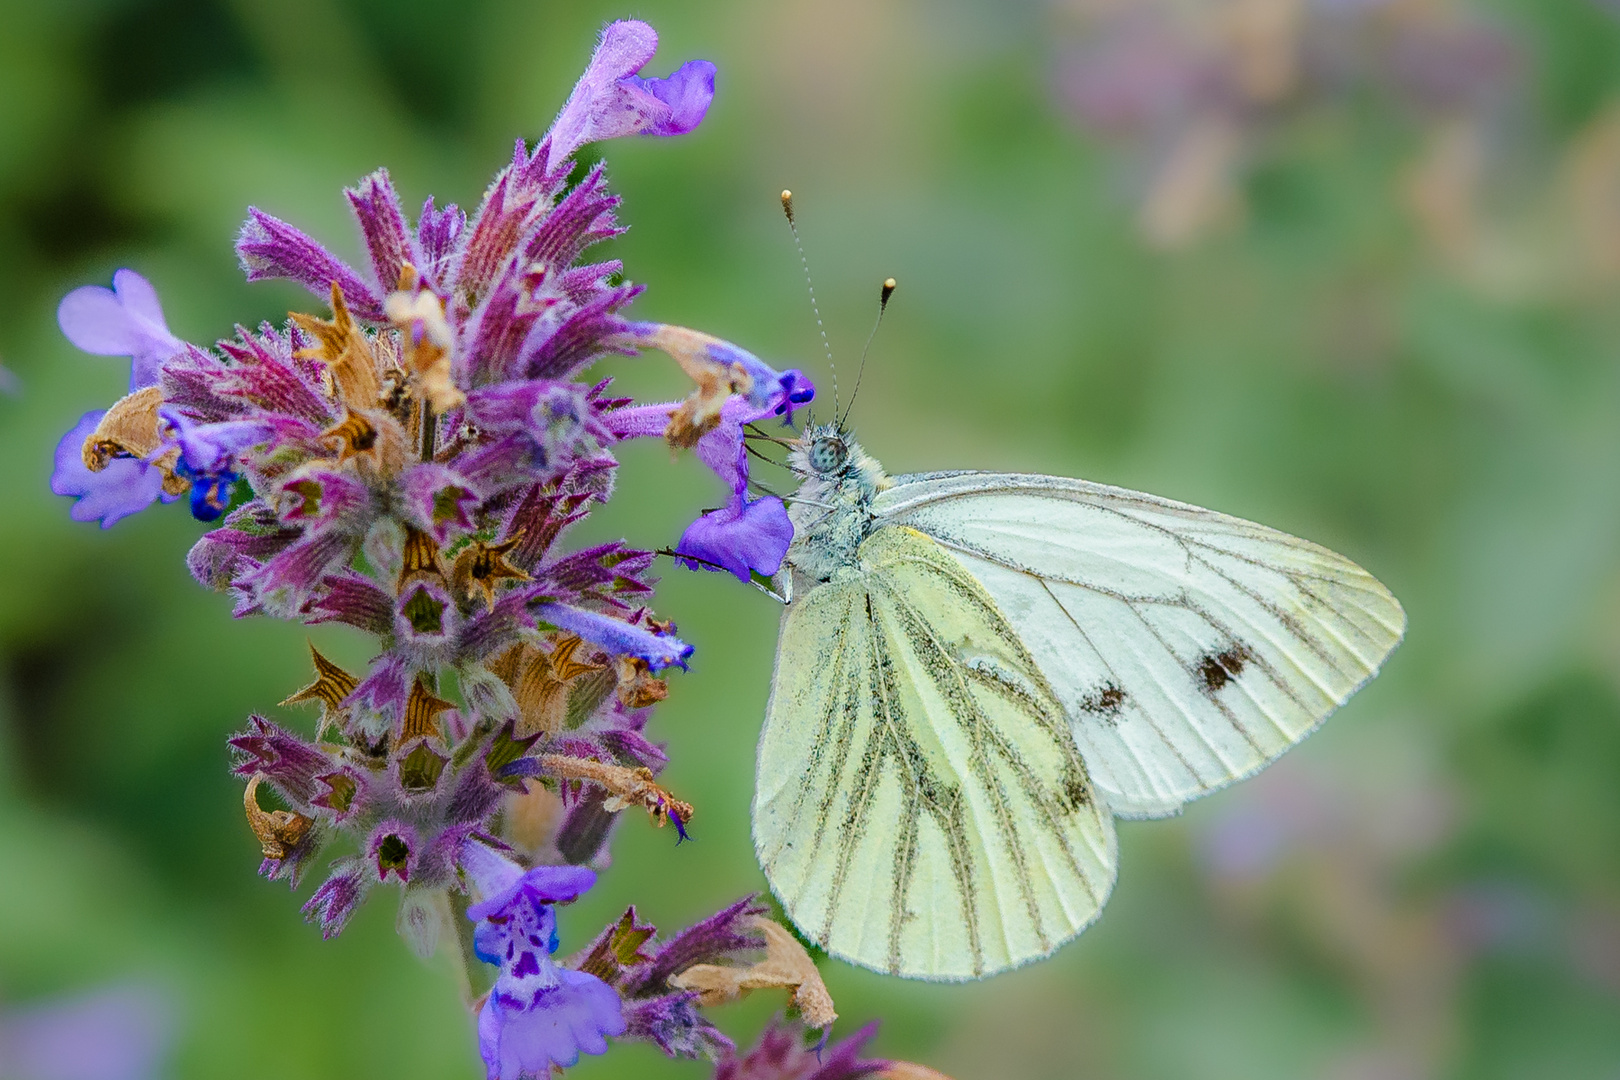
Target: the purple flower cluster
(408, 462)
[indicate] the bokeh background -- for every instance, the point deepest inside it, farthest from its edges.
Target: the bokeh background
(1347, 267)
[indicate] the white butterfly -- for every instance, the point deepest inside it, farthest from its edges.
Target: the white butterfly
(988, 667)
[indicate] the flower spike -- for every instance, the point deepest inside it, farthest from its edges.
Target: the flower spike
(411, 465)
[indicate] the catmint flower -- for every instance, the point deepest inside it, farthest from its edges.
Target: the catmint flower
(123, 486)
(125, 320)
(659, 650)
(208, 457)
(747, 536)
(408, 459)
(102, 460)
(538, 1013)
(720, 370)
(611, 100)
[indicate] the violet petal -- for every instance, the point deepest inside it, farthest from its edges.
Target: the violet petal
(126, 486)
(126, 320)
(617, 636)
(609, 101)
(741, 538)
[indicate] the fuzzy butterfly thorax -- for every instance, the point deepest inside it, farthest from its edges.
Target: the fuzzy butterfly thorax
(832, 510)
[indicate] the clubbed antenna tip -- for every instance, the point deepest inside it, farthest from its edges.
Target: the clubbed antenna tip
(886, 291)
(793, 227)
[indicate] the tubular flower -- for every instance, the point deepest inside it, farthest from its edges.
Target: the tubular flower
(611, 100)
(537, 1014)
(744, 537)
(125, 320)
(102, 460)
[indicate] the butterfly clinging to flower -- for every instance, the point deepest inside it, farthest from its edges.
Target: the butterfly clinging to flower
(977, 672)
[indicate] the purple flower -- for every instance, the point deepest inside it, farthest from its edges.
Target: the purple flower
(770, 391)
(741, 538)
(746, 534)
(126, 486)
(125, 320)
(113, 1034)
(611, 100)
(617, 636)
(537, 1014)
(208, 457)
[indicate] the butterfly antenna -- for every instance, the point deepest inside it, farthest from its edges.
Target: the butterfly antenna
(793, 227)
(883, 305)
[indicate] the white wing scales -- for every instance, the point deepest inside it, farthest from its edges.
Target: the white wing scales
(1188, 648)
(921, 807)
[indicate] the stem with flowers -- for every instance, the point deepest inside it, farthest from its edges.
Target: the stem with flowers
(409, 462)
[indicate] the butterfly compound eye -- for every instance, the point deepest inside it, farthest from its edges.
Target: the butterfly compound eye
(827, 455)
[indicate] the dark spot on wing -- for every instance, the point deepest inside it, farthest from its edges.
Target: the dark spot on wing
(1076, 792)
(1218, 669)
(1105, 702)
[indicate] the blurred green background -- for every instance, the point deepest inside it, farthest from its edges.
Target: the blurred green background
(1347, 267)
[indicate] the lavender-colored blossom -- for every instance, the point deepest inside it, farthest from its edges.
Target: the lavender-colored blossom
(208, 457)
(118, 1033)
(611, 101)
(126, 486)
(617, 636)
(537, 1014)
(747, 535)
(744, 538)
(125, 320)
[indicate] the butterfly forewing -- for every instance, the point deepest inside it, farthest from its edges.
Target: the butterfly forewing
(1187, 647)
(921, 807)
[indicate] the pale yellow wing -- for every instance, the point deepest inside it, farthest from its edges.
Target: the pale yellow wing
(921, 807)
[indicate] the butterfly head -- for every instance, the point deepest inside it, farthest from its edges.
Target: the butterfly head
(826, 451)
(829, 459)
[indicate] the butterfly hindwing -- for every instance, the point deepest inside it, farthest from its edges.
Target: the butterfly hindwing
(1189, 648)
(921, 806)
